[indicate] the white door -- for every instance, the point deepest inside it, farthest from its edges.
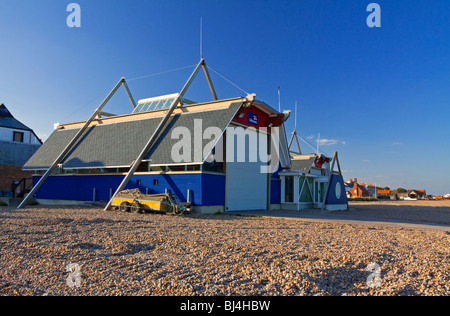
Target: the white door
(320, 188)
(246, 185)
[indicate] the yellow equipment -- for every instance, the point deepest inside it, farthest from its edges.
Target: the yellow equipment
(136, 202)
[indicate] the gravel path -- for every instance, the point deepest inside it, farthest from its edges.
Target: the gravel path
(128, 254)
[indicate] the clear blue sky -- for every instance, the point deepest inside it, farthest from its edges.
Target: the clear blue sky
(378, 96)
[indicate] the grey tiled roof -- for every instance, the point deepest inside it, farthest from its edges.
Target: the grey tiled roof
(119, 144)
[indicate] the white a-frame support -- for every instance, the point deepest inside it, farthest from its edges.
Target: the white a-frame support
(295, 135)
(160, 127)
(98, 112)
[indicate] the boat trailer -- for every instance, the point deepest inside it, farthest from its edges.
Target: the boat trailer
(134, 201)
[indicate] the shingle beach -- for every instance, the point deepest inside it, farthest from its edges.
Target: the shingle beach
(131, 254)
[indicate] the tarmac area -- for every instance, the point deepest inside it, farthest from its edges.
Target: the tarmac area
(431, 214)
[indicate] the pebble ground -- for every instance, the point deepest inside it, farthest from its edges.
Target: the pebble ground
(131, 254)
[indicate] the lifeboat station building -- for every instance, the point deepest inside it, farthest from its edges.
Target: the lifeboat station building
(222, 156)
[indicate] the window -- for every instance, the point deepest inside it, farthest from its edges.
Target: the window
(213, 166)
(158, 168)
(18, 137)
(159, 103)
(154, 104)
(143, 167)
(155, 181)
(323, 190)
(177, 168)
(306, 187)
(289, 189)
(193, 168)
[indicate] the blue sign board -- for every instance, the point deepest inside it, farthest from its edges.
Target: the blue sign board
(252, 118)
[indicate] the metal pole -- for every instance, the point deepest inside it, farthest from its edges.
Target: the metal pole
(279, 99)
(208, 78)
(201, 37)
(295, 124)
(125, 85)
(298, 144)
(69, 146)
(329, 181)
(292, 139)
(318, 143)
(294, 135)
(155, 135)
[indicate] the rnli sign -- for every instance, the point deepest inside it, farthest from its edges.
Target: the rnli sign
(252, 118)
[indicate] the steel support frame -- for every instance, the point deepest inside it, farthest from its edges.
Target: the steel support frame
(130, 96)
(208, 78)
(98, 112)
(72, 143)
(294, 135)
(335, 160)
(155, 134)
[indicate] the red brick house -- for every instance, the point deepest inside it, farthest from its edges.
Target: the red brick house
(357, 190)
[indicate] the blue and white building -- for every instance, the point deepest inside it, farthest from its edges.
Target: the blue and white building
(222, 156)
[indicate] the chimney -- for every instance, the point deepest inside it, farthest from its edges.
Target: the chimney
(356, 180)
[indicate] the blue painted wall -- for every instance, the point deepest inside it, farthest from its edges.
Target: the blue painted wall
(205, 189)
(275, 191)
(77, 188)
(275, 186)
(331, 197)
(213, 189)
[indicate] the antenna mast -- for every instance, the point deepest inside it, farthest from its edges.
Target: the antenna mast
(318, 144)
(201, 37)
(295, 122)
(279, 100)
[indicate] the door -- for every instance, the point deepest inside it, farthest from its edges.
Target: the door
(246, 184)
(320, 188)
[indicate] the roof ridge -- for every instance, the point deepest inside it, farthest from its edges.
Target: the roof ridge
(4, 112)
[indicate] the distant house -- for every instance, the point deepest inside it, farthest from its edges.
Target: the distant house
(417, 194)
(402, 195)
(392, 194)
(357, 190)
(17, 144)
(374, 190)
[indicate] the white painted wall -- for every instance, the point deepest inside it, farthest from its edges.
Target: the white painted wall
(246, 186)
(6, 135)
